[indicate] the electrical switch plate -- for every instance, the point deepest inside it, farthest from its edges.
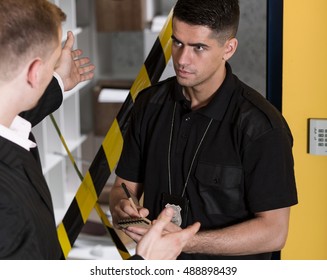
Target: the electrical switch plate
(318, 136)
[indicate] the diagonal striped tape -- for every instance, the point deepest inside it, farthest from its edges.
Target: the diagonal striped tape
(115, 238)
(80, 197)
(108, 154)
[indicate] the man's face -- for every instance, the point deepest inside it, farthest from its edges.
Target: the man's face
(197, 55)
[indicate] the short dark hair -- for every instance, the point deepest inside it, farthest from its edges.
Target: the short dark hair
(222, 16)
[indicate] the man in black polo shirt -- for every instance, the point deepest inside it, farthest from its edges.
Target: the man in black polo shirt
(209, 146)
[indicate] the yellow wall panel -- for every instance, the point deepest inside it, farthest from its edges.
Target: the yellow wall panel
(304, 97)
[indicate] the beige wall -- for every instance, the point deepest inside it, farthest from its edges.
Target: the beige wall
(305, 96)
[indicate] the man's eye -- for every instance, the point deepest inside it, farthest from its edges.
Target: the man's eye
(199, 48)
(177, 43)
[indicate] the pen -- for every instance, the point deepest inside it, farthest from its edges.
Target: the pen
(129, 196)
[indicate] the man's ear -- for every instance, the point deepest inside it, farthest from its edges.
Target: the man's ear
(230, 48)
(33, 72)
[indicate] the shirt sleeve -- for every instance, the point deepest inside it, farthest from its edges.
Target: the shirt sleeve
(269, 172)
(130, 163)
(48, 103)
(59, 80)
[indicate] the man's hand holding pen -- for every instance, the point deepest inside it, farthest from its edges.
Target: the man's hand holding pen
(127, 212)
(128, 209)
(135, 230)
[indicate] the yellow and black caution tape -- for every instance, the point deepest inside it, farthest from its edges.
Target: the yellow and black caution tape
(108, 154)
(115, 238)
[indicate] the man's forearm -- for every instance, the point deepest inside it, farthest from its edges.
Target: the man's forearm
(259, 235)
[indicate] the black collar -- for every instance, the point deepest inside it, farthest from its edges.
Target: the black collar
(218, 105)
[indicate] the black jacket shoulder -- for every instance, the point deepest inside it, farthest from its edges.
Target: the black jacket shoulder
(158, 92)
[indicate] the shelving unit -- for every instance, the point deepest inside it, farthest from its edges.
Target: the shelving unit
(57, 168)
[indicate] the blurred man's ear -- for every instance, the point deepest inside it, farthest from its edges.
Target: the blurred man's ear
(230, 48)
(33, 72)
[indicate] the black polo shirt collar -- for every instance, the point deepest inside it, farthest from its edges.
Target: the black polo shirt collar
(216, 109)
